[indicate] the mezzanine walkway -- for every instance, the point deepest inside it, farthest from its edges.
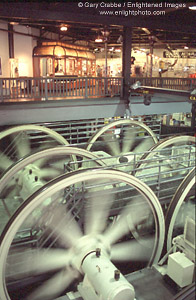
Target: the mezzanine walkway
(32, 100)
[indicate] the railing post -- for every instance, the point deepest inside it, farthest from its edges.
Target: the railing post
(161, 82)
(194, 83)
(121, 87)
(46, 89)
(86, 87)
(105, 86)
(1, 89)
(190, 85)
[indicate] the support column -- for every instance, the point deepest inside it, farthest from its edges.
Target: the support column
(193, 118)
(11, 41)
(126, 62)
(106, 69)
(151, 59)
(106, 59)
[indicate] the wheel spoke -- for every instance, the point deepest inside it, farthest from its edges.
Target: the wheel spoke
(5, 161)
(39, 261)
(116, 231)
(133, 250)
(112, 143)
(97, 212)
(22, 144)
(131, 216)
(54, 286)
(65, 227)
(144, 145)
(128, 139)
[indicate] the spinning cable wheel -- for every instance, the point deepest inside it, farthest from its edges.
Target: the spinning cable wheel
(175, 147)
(31, 172)
(68, 249)
(19, 141)
(15, 143)
(122, 139)
(181, 206)
(170, 158)
(167, 144)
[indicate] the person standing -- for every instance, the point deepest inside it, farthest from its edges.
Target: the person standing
(99, 71)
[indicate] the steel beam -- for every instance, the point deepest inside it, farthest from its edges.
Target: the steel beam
(161, 103)
(63, 110)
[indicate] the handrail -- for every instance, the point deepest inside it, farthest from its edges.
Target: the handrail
(47, 88)
(185, 84)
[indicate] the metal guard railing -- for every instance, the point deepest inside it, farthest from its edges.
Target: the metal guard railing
(46, 88)
(185, 84)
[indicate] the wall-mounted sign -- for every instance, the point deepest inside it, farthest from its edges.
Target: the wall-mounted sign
(179, 54)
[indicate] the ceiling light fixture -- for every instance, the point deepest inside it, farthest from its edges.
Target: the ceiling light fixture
(193, 7)
(63, 28)
(14, 23)
(98, 39)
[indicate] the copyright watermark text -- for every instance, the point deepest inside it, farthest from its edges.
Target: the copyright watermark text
(130, 8)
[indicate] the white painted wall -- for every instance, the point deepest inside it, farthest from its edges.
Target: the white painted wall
(23, 50)
(4, 51)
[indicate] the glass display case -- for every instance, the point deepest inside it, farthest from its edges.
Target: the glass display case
(59, 59)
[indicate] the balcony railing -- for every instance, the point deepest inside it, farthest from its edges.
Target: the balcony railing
(47, 88)
(185, 84)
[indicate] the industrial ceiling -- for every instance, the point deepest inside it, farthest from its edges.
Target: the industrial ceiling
(85, 21)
